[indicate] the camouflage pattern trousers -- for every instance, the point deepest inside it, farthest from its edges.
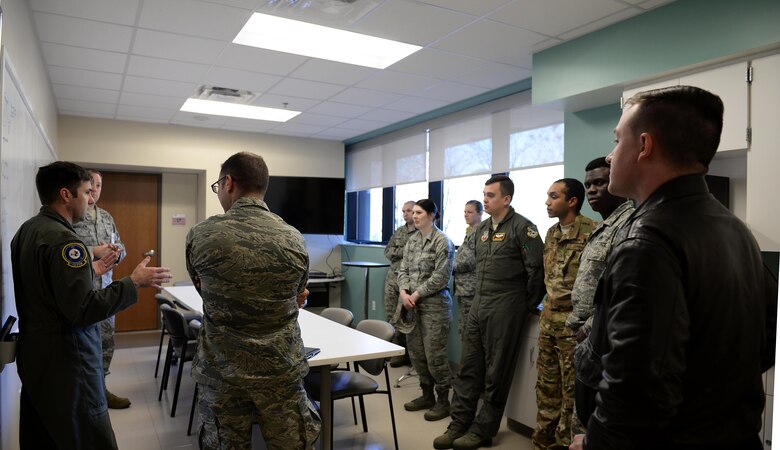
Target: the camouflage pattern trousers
(464, 306)
(392, 294)
(427, 343)
(555, 382)
(286, 417)
(107, 332)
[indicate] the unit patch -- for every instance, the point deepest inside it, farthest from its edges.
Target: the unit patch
(532, 233)
(484, 237)
(75, 255)
(498, 237)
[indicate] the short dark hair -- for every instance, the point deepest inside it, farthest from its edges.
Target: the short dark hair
(597, 163)
(507, 186)
(686, 121)
(248, 171)
(429, 206)
(477, 205)
(574, 188)
(57, 175)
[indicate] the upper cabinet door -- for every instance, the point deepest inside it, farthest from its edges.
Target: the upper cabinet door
(729, 82)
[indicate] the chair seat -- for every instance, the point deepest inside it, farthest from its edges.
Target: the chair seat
(342, 384)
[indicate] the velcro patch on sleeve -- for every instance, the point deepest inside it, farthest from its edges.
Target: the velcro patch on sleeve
(75, 255)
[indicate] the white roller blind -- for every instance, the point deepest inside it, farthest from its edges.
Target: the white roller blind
(403, 160)
(536, 137)
(364, 168)
(464, 148)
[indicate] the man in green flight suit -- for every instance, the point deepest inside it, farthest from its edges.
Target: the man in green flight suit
(63, 401)
(250, 267)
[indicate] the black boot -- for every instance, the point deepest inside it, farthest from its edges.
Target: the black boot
(425, 401)
(441, 409)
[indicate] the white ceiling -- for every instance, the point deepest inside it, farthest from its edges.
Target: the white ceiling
(140, 59)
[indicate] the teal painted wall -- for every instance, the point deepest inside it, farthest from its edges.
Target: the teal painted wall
(677, 35)
(588, 135)
(353, 291)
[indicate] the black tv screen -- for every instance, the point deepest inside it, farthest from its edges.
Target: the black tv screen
(312, 205)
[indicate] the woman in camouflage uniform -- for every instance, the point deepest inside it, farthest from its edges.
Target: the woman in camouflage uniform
(423, 281)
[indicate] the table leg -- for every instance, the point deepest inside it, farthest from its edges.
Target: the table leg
(326, 437)
(365, 311)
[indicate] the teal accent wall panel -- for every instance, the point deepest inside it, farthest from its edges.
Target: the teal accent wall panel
(674, 36)
(588, 135)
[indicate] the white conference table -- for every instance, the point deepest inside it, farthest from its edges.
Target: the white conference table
(337, 344)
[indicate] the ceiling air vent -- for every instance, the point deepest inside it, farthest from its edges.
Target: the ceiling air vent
(223, 94)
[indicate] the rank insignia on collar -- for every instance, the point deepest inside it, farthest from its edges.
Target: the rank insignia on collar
(498, 237)
(75, 255)
(532, 233)
(484, 236)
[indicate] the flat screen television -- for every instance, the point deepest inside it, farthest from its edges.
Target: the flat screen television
(310, 204)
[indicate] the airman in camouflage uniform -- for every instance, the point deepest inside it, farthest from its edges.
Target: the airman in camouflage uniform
(425, 274)
(555, 379)
(464, 275)
(249, 266)
(99, 232)
(394, 252)
(615, 211)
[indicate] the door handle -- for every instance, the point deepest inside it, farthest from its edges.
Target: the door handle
(149, 253)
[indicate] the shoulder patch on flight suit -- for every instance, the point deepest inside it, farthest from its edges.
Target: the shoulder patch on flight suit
(499, 237)
(532, 233)
(75, 255)
(484, 237)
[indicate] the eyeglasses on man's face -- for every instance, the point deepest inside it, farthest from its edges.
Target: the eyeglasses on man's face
(215, 185)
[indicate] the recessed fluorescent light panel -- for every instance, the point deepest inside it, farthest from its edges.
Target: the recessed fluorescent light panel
(316, 41)
(215, 108)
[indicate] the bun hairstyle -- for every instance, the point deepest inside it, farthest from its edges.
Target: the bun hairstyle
(477, 205)
(429, 206)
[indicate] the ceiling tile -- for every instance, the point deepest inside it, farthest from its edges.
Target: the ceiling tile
(365, 97)
(239, 79)
(650, 4)
(398, 82)
(306, 89)
(493, 75)
(317, 119)
(330, 13)
(339, 110)
(363, 125)
(278, 101)
(164, 69)
(336, 134)
(122, 12)
(86, 78)
(64, 91)
(158, 87)
(151, 101)
(83, 58)
(387, 116)
(599, 24)
(416, 104)
(435, 64)
(452, 92)
(246, 4)
(475, 8)
(79, 106)
(552, 42)
(146, 118)
(67, 112)
(258, 60)
(555, 17)
(177, 47)
(247, 125)
(299, 128)
(507, 44)
(411, 22)
(141, 111)
(194, 18)
(82, 33)
(332, 72)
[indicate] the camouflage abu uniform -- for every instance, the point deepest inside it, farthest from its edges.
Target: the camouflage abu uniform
(251, 265)
(98, 227)
(555, 380)
(394, 252)
(464, 278)
(426, 268)
(593, 261)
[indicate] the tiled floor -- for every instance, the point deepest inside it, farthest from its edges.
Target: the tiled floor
(147, 424)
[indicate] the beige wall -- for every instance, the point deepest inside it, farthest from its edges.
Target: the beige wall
(179, 197)
(21, 43)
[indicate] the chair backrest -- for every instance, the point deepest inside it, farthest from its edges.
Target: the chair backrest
(163, 300)
(338, 315)
(177, 325)
(195, 327)
(379, 329)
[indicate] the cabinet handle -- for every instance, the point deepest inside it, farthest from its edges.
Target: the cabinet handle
(531, 355)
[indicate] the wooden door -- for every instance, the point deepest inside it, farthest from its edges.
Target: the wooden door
(133, 199)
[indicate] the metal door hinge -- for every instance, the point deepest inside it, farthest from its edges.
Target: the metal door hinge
(748, 134)
(749, 75)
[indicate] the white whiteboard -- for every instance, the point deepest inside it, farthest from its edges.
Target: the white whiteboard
(24, 147)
